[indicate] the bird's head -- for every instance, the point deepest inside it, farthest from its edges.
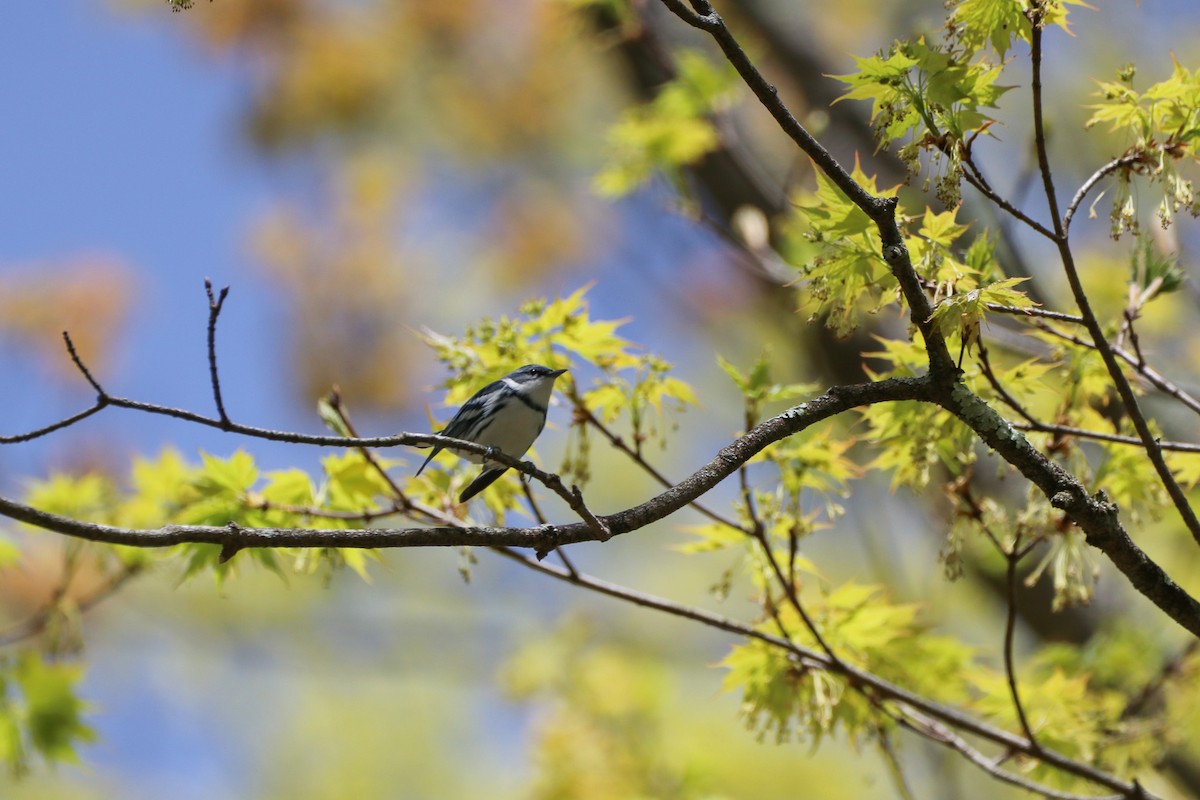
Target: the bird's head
(535, 373)
(534, 380)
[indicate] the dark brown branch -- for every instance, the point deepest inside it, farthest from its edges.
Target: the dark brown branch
(78, 362)
(1032, 423)
(975, 177)
(540, 518)
(55, 426)
(1096, 516)
(881, 210)
(1043, 313)
(1102, 436)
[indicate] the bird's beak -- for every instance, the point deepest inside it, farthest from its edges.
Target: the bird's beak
(555, 373)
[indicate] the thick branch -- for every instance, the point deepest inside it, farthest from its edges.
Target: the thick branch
(1096, 516)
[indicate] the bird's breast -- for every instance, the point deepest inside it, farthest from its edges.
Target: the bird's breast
(512, 434)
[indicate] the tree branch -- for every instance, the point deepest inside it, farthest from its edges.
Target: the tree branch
(1124, 390)
(542, 539)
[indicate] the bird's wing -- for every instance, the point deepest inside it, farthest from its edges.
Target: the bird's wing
(463, 422)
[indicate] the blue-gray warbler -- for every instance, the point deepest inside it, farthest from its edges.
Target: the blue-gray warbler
(507, 414)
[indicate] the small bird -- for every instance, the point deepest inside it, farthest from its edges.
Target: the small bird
(507, 414)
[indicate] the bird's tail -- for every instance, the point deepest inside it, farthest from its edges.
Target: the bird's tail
(485, 479)
(428, 458)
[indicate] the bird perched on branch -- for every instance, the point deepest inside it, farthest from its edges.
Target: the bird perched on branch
(507, 414)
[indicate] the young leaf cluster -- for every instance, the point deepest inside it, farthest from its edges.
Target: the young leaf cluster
(40, 711)
(1162, 127)
(672, 131)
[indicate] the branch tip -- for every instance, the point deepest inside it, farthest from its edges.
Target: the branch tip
(78, 362)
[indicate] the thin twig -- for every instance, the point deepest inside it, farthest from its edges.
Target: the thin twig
(976, 178)
(1034, 311)
(585, 414)
(757, 534)
(54, 426)
(1037, 426)
(214, 311)
(1115, 165)
(934, 731)
(985, 366)
(334, 400)
(87, 375)
(789, 587)
(1010, 625)
(1151, 375)
(1033, 424)
(540, 518)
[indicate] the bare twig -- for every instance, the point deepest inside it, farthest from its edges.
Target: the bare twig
(934, 731)
(1033, 424)
(54, 426)
(1034, 311)
(1037, 426)
(585, 414)
(545, 538)
(975, 177)
(214, 310)
(1151, 375)
(1012, 557)
(101, 395)
(540, 518)
(789, 587)
(334, 400)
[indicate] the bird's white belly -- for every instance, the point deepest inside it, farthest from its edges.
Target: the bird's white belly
(521, 426)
